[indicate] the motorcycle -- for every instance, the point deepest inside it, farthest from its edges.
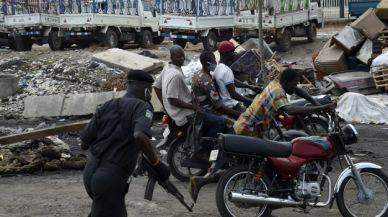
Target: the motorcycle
(313, 125)
(182, 167)
(272, 175)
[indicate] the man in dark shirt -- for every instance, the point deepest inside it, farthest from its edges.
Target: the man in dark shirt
(115, 135)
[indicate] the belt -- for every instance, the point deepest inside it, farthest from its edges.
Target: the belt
(109, 166)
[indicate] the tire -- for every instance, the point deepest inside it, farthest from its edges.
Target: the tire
(158, 40)
(121, 44)
(348, 180)
(315, 121)
(210, 42)
(223, 209)
(23, 43)
(285, 41)
(174, 169)
(146, 39)
(82, 44)
(111, 39)
(181, 42)
(312, 33)
(55, 42)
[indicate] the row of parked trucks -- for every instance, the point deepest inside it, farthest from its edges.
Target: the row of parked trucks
(63, 23)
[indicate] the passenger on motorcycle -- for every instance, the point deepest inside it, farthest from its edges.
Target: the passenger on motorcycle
(226, 82)
(258, 116)
(205, 94)
(171, 87)
(273, 100)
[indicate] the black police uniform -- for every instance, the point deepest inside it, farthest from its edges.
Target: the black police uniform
(114, 152)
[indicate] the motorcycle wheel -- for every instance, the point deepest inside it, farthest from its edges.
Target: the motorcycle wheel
(317, 127)
(233, 180)
(351, 202)
(174, 156)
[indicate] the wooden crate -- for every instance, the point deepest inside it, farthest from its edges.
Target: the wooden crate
(384, 37)
(380, 76)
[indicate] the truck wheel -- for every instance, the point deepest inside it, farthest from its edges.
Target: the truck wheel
(146, 39)
(55, 42)
(210, 43)
(111, 39)
(23, 43)
(312, 32)
(181, 42)
(158, 40)
(285, 41)
(82, 44)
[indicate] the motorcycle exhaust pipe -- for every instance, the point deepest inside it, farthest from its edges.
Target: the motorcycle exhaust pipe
(258, 200)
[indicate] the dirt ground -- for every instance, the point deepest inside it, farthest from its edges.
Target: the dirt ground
(62, 194)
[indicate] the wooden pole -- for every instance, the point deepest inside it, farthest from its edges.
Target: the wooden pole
(264, 74)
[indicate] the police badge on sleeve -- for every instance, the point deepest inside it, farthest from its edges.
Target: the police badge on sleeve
(149, 114)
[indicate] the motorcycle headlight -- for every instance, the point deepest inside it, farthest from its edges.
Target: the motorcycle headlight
(350, 135)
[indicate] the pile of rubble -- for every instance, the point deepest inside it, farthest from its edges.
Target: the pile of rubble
(49, 153)
(71, 75)
(354, 48)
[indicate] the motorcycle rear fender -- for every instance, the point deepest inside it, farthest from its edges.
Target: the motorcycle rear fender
(348, 172)
(221, 161)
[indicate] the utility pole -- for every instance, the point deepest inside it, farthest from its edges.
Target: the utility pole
(264, 74)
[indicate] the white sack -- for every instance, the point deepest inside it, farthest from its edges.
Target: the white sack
(189, 70)
(380, 60)
(355, 107)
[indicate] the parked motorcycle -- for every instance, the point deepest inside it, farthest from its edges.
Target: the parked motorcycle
(272, 175)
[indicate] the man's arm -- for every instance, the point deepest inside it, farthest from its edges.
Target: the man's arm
(232, 91)
(302, 93)
(144, 145)
(239, 84)
(228, 111)
(158, 93)
(180, 104)
(89, 134)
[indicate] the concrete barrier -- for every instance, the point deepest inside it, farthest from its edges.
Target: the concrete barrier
(73, 104)
(9, 85)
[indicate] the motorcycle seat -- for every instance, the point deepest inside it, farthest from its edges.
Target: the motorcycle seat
(255, 146)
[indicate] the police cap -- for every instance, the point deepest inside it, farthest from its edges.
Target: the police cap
(140, 76)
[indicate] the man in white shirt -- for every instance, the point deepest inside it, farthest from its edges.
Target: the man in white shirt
(225, 80)
(171, 89)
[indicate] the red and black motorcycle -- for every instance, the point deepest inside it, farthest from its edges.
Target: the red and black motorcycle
(271, 175)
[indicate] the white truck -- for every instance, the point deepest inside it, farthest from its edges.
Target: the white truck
(282, 20)
(32, 22)
(113, 22)
(206, 21)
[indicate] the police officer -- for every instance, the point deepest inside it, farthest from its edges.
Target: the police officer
(116, 133)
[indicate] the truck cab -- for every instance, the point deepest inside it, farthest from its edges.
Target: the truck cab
(113, 22)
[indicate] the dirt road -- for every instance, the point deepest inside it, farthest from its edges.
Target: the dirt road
(61, 194)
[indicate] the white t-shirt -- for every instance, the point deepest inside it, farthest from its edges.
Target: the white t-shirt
(223, 75)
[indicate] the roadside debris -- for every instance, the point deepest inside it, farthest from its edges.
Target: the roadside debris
(48, 153)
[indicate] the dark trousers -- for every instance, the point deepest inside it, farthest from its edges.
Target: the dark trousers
(213, 124)
(107, 187)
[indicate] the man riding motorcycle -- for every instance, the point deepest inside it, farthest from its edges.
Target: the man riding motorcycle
(205, 94)
(259, 114)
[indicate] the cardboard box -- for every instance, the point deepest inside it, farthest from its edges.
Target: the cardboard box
(369, 24)
(332, 59)
(349, 40)
(365, 54)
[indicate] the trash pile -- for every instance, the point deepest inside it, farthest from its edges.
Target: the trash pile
(344, 63)
(74, 74)
(49, 153)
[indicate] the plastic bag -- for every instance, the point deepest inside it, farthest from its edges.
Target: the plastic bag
(380, 60)
(194, 132)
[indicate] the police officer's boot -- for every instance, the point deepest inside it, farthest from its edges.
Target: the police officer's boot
(197, 182)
